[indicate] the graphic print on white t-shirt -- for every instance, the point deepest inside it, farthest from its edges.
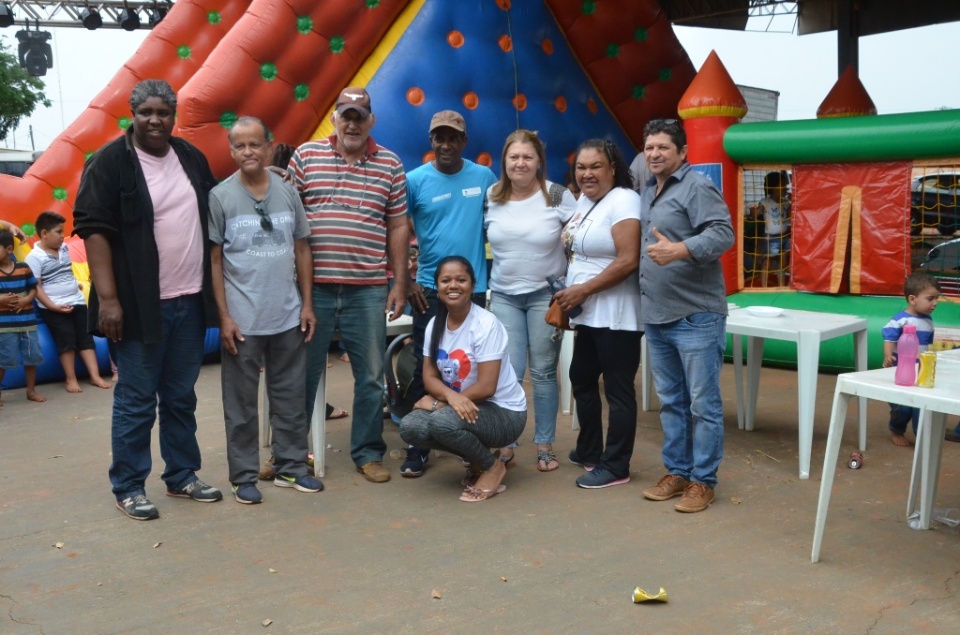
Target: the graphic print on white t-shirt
(454, 367)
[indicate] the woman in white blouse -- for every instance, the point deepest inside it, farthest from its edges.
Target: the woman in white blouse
(603, 238)
(524, 219)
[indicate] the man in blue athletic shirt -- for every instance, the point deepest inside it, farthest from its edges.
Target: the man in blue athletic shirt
(445, 206)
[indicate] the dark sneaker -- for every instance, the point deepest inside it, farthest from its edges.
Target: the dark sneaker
(600, 477)
(303, 483)
(198, 491)
(667, 487)
(247, 493)
(415, 463)
(573, 458)
(138, 508)
(696, 498)
(374, 472)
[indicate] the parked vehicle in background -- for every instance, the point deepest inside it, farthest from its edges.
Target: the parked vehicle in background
(943, 263)
(16, 162)
(935, 203)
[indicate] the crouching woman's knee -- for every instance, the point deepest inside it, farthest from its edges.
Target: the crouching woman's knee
(415, 428)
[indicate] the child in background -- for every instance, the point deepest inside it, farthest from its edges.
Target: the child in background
(922, 292)
(775, 211)
(18, 320)
(63, 308)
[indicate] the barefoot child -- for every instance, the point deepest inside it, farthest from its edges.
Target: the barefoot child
(63, 308)
(18, 320)
(922, 292)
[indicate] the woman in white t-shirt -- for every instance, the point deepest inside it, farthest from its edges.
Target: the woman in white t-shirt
(603, 238)
(474, 401)
(525, 216)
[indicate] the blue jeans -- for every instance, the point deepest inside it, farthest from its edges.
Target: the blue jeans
(158, 380)
(358, 312)
(686, 357)
(900, 415)
(523, 317)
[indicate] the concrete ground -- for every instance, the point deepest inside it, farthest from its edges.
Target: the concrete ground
(544, 557)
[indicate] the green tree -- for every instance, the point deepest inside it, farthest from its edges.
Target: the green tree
(20, 94)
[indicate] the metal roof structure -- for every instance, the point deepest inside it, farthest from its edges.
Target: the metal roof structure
(849, 18)
(43, 13)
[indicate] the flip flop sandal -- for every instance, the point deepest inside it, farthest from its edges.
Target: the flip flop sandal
(474, 495)
(547, 457)
(338, 413)
(470, 478)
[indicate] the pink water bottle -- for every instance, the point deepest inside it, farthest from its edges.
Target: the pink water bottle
(908, 348)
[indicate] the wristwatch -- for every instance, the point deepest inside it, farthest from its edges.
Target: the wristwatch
(434, 406)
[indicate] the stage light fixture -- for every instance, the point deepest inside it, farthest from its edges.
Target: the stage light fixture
(6, 15)
(91, 19)
(35, 53)
(156, 16)
(129, 20)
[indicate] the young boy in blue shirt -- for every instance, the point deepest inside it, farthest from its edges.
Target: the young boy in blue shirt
(922, 292)
(18, 320)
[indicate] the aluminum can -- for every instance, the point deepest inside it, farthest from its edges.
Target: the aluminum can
(928, 370)
(855, 462)
(639, 595)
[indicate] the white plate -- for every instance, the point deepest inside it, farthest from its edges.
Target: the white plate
(764, 311)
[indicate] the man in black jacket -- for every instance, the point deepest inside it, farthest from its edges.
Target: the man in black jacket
(142, 211)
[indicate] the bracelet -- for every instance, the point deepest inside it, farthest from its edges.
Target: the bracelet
(433, 408)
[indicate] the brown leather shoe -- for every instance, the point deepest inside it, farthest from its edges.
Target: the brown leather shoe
(696, 498)
(374, 472)
(669, 486)
(266, 471)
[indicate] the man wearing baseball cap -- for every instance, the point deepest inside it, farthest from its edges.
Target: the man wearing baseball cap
(355, 195)
(445, 205)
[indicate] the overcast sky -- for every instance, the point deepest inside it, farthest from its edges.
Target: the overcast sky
(903, 71)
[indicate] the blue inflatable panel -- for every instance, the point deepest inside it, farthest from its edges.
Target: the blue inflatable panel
(453, 54)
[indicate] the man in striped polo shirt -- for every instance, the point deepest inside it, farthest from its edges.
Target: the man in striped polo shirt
(355, 195)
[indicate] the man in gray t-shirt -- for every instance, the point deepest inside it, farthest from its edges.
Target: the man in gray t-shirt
(262, 269)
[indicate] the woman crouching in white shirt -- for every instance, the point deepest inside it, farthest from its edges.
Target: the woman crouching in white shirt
(473, 401)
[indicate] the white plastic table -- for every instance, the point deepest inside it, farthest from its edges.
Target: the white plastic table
(935, 404)
(807, 329)
(318, 431)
